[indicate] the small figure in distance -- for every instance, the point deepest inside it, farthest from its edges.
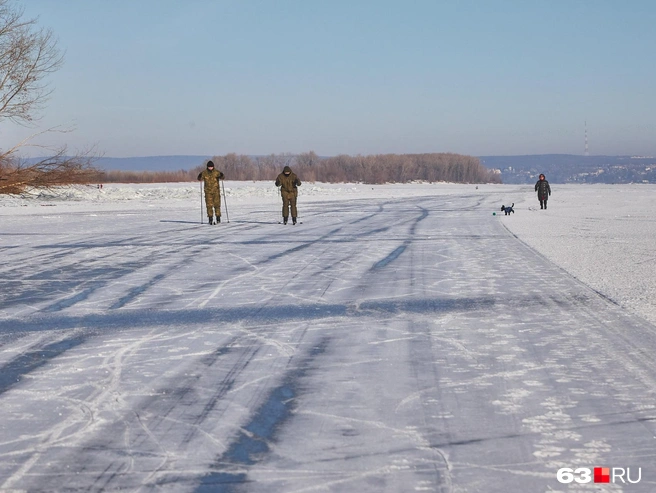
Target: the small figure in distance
(210, 178)
(288, 183)
(544, 190)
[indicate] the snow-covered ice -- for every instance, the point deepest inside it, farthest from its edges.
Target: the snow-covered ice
(402, 338)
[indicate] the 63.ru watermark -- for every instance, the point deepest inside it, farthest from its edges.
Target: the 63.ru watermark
(584, 475)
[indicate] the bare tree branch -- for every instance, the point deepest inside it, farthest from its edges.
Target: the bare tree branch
(16, 175)
(27, 56)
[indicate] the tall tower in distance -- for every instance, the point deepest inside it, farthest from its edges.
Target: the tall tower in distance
(586, 152)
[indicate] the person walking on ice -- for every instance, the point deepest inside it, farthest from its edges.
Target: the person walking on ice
(544, 190)
(210, 178)
(288, 183)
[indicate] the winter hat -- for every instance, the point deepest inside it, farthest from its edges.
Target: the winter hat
(210, 164)
(286, 169)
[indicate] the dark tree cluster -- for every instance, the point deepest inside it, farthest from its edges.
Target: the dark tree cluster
(375, 169)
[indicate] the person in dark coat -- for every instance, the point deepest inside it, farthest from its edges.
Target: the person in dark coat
(288, 183)
(210, 178)
(544, 190)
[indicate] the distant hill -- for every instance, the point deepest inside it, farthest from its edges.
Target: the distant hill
(150, 163)
(572, 168)
(559, 168)
(142, 163)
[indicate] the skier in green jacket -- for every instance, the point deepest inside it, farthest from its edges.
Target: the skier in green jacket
(210, 178)
(288, 183)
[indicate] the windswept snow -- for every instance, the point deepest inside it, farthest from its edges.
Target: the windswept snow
(402, 338)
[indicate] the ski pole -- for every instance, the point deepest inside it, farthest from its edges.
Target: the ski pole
(225, 202)
(201, 202)
(280, 197)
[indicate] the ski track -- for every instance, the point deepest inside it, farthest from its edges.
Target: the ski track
(383, 345)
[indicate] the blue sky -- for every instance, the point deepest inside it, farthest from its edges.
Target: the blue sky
(165, 77)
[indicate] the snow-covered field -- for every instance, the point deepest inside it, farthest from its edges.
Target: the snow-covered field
(402, 338)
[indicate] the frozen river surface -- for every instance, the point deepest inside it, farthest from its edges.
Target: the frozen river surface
(385, 344)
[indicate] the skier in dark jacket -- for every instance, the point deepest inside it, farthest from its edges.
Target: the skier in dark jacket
(288, 183)
(210, 178)
(544, 190)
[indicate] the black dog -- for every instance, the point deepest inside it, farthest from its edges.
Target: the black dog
(508, 209)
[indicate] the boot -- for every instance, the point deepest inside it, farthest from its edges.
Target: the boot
(545, 204)
(211, 220)
(293, 220)
(218, 219)
(284, 220)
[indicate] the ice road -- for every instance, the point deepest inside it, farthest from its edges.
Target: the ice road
(384, 345)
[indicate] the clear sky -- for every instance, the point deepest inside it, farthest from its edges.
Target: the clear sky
(489, 77)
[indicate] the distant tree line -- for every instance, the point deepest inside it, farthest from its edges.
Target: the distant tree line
(378, 168)
(120, 176)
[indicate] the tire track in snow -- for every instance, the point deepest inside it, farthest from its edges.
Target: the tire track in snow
(253, 442)
(30, 361)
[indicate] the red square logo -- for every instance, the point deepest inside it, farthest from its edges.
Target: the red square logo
(602, 474)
